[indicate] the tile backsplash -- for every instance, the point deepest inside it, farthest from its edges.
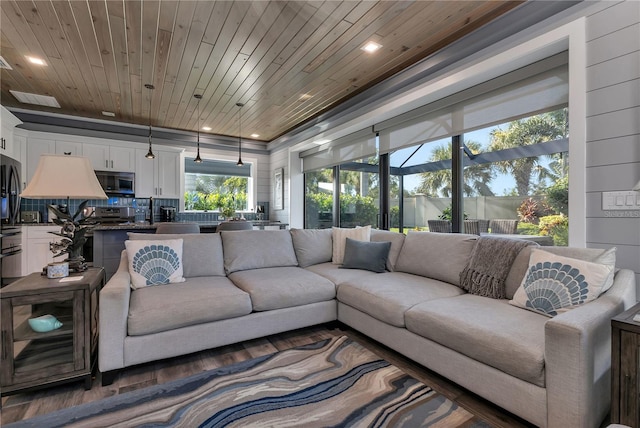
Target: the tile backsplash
(140, 204)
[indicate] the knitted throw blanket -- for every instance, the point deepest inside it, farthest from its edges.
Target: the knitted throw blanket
(489, 265)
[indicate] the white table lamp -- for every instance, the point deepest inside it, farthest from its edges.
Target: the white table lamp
(70, 177)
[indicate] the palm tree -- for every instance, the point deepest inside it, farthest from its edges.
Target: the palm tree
(438, 183)
(525, 132)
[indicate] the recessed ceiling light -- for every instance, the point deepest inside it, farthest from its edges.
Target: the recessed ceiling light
(206, 128)
(109, 113)
(34, 60)
(255, 135)
(305, 97)
(371, 47)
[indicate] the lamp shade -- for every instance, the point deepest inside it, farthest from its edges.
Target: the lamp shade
(61, 176)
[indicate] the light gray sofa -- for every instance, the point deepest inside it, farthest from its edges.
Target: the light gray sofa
(553, 372)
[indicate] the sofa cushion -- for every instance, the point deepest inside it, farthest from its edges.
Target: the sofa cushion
(488, 330)
(396, 239)
(257, 249)
(312, 246)
(370, 256)
(387, 296)
(340, 235)
(283, 287)
(337, 275)
(155, 262)
(436, 255)
(201, 252)
(555, 284)
(196, 301)
(521, 263)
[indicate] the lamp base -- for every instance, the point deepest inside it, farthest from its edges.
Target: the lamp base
(77, 264)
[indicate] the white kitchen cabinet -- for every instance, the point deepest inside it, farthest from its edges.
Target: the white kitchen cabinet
(114, 158)
(159, 177)
(39, 146)
(37, 248)
(8, 121)
(69, 148)
(6, 141)
(20, 152)
(35, 148)
(12, 266)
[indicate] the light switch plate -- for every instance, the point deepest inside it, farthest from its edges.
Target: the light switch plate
(625, 200)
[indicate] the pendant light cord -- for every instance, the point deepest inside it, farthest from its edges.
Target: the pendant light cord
(240, 105)
(150, 154)
(198, 159)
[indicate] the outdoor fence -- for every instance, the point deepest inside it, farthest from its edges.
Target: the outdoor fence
(420, 208)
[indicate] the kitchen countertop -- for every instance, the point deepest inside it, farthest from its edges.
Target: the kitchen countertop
(202, 224)
(146, 225)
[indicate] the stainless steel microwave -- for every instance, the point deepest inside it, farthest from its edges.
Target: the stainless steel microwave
(114, 183)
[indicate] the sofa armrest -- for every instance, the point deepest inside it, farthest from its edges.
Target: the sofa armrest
(578, 357)
(114, 310)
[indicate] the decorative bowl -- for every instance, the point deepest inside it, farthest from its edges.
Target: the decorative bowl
(44, 323)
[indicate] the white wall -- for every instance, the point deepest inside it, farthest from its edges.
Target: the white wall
(280, 159)
(613, 128)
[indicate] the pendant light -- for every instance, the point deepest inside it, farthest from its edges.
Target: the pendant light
(198, 159)
(240, 105)
(150, 154)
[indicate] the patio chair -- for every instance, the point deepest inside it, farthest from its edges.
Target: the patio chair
(504, 226)
(441, 226)
(472, 227)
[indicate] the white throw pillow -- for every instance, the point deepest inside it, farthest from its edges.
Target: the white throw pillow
(554, 284)
(608, 258)
(340, 236)
(154, 262)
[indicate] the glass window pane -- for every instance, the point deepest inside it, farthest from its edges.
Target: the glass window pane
(530, 189)
(318, 199)
(359, 194)
(425, 172)
(216, 192)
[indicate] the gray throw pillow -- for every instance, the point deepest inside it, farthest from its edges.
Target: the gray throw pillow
(366, 255)
(312, 246)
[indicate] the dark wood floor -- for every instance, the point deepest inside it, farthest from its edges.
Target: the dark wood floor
(27, 405)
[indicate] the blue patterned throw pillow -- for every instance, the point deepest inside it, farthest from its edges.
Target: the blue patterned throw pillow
(554, 284)
(155, 262)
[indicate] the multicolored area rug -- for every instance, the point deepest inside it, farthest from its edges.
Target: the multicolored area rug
(333, 383)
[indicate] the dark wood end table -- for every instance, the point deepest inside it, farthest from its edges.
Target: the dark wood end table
(32, 360)
(625, 368)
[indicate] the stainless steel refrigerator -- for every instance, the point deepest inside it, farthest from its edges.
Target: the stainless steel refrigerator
(10, 229)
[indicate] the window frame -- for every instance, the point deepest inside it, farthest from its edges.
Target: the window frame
(252, 182)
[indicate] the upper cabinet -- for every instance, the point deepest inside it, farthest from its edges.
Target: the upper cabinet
(110, 157)
(35, 148)
(69, 148)
(159, 177)
(9, 121)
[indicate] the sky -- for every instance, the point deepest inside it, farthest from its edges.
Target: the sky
(501, 184)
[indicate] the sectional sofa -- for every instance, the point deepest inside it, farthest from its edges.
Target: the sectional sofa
(241, 285)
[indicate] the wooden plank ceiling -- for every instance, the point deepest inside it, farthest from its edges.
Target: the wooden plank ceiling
(287, 61)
